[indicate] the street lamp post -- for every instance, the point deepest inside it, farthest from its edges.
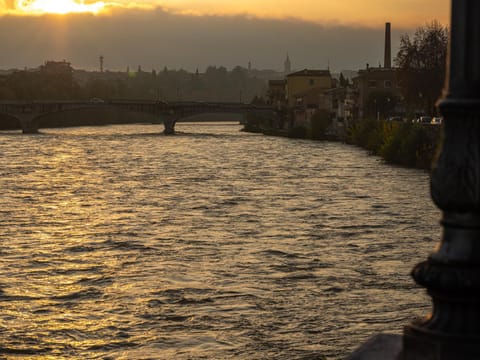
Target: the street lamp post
(388, 107)
(451, 274)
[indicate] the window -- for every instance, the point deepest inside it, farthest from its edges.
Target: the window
(372, 83)
(387, 84)
(312, 82)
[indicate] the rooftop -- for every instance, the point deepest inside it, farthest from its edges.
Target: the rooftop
(307, 72)
(276, 82)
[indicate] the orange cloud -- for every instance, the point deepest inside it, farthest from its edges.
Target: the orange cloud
(405, 13)
(58, 6)
(402, 13)
(41, 7)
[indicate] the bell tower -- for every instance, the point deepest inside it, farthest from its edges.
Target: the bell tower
(287, 68)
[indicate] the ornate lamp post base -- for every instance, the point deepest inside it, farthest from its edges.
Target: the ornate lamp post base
(421, 344)
(451, 274)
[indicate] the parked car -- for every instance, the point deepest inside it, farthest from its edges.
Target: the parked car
(437, 120)
(395, 118)
(425, 120)
(96, 101)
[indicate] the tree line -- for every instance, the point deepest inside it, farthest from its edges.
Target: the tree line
(56, 81)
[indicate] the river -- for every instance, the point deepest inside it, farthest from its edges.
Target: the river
(121, 243)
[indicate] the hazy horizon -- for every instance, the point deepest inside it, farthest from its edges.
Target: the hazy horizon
(152, 36)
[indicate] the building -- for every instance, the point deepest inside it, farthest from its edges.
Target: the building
(56, 68)
(377, 90)
(307, 94)
(276, 93)
(307, 84)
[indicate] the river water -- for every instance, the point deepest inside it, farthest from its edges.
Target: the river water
(120, 243)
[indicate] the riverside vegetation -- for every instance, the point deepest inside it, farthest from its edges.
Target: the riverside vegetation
(320, 122)
(401, 143)
(279, 125)
(406, 144)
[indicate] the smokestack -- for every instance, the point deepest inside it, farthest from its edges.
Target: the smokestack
(387, 63)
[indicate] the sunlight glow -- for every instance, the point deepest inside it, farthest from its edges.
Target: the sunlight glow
(59, 6)
(403, 13)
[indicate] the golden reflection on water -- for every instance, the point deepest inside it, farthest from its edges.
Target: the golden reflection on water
(121, 243)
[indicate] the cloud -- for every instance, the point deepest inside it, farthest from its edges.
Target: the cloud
(41, 7)
(346, 12)
(158, 38)
(7, 5)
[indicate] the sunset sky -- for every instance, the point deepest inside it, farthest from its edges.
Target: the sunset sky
(264, 31)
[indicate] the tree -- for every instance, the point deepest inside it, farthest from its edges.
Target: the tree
(321, 120)
(343, 82)
(421, 63)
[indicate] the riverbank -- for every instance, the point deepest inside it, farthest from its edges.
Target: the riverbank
(411, 145)
(406, 144)
(319, 127)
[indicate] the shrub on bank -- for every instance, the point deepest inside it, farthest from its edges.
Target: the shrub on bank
(298, 132)
(404, 144)
(320, 122)
(254, 123)
(367, 134)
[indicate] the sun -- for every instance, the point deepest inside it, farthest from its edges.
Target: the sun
(59, 6)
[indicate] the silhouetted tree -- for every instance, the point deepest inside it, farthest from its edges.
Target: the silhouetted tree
(57, 81)
(99, 88)
(421, 65)
(343, 81)
(320, 121)
(54, 80)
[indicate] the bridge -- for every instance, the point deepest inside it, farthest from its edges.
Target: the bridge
(30, 113)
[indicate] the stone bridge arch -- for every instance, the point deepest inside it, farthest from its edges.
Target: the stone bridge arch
(214, 117)
(94, 116)
(9, 122)
(32, 114)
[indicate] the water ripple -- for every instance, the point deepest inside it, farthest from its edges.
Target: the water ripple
(120, 243)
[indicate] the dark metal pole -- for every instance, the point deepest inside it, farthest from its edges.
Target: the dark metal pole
(451, 274)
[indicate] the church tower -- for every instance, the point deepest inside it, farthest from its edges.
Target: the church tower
(287, 65)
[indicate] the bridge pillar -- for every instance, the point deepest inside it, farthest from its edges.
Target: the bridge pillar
(451, 274)
(29, 123)
(169, 123)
